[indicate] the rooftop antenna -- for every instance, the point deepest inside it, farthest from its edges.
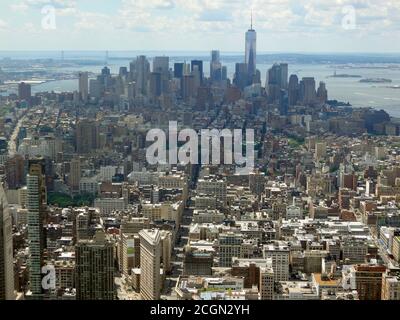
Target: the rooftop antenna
(251, 23)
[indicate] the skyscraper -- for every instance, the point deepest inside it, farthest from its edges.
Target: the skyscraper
(178, 70)
(14, 168)
(215, 66)
(24, 92)
(241, 76)
(75, 174)
(83, 86)
(251, 50)
(96, 88)
(322, 93)
(161, 65)
(215, 56)
(95, 268)
(6, 250)
(142, 75)
(188, 87)
(284, 75)
(274, 81)
(36, 205)
(155, 84)
(105, 77)
(293, 90)
(308, 93)
(199, 65)
(224, 73)
(150, 261)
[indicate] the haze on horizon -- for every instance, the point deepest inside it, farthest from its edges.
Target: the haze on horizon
(306, 26)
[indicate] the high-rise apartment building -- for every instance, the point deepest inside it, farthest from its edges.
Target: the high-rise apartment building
(36, 205)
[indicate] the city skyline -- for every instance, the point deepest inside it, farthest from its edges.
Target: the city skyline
(284, 26)
(132, 176)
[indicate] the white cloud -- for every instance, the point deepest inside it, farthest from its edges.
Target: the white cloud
(3, 25)
(203, 19)
(19, 7)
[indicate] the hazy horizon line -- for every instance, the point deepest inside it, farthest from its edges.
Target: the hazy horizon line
(204, 51)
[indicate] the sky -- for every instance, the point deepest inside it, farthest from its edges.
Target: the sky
(358, 26)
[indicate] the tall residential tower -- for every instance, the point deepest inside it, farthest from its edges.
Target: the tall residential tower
(36, 204)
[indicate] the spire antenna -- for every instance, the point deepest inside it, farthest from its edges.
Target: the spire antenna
(251, 24)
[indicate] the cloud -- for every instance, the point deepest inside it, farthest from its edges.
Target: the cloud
(175, 19)
(234, 15)
(3, 25)
(19, 7)
(90, 20)
(215, 15)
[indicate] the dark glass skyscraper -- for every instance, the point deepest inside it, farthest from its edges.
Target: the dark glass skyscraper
(178, 70)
